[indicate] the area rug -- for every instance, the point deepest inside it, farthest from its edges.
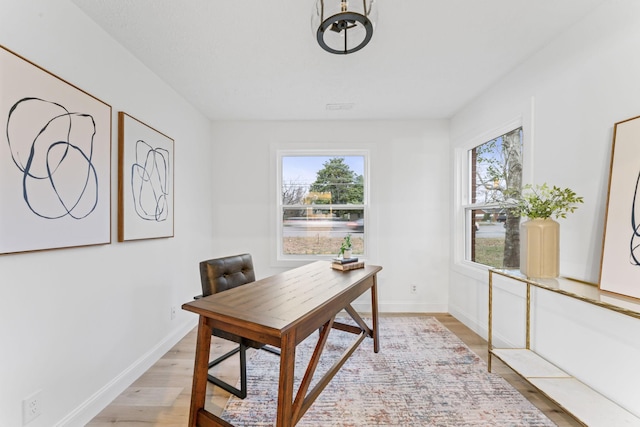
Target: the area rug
(422, 376)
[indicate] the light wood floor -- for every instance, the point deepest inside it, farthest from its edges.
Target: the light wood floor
(161, 396)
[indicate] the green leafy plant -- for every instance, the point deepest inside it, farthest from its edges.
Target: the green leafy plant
(346, 244)
(542, 201)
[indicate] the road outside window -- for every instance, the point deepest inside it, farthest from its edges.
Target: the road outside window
(322, 199)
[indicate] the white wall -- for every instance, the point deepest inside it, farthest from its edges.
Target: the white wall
(101, 314)
(80, 324)
(409, 199)
(569, 94)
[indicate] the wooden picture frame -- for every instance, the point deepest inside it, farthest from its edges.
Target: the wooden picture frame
(146, 179)
(620, 266)
(55, 161)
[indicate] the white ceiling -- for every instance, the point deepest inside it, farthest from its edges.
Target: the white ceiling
(258, 59)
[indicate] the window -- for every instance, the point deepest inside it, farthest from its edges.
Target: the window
(495, 171)
(322, 198)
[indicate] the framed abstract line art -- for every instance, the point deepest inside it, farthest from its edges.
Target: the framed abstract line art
(620, 267)
(145, 185)
(55, 161)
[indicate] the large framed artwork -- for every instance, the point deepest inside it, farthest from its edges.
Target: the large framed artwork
(55, 161)
(145, 185)
(620, 267)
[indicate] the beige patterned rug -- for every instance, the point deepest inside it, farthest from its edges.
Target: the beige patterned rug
(422, 376)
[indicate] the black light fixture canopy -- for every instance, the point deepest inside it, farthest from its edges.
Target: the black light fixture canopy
(343, 26)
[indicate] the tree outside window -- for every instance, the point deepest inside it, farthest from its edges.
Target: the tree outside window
(495, 170)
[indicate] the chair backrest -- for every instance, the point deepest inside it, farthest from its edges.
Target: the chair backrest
(220, 274)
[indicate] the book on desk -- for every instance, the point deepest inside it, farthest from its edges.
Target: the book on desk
(346, 264)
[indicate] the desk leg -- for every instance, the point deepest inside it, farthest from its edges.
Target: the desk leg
(374, 314)
(285, 392)
(200, 368)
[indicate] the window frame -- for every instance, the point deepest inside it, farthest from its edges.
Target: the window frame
(280, 256)
(462, 188)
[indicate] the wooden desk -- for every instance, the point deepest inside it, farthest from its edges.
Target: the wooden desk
(282, 311)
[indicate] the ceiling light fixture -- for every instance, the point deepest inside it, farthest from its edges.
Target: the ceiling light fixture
(342, 26)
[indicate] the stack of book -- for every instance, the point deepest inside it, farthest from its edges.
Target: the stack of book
(345, 264)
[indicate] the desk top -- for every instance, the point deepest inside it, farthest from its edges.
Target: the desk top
(275, 304)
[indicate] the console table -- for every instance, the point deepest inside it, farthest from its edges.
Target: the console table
(282, 311)
(583, 403)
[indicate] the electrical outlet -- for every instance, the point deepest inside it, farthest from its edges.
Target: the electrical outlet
(414, 289)
(31, 407)
(173, 312)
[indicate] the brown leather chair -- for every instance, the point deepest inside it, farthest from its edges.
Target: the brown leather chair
(219, 275)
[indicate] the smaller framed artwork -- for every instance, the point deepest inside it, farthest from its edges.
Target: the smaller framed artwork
(620, 267)
(145, 184)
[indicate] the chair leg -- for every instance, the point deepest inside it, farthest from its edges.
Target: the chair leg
(242, 393)
(242, 349)
(223, 357)
(243, 371)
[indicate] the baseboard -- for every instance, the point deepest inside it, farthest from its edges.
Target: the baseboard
(103, 397)
(469, 322)
(498, 340)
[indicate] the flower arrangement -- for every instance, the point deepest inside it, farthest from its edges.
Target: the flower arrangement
(542, 201)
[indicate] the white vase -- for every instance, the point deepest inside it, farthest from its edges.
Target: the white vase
(540, 248)
(346, 254)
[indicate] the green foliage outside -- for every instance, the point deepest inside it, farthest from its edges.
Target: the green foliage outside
(336, 178)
